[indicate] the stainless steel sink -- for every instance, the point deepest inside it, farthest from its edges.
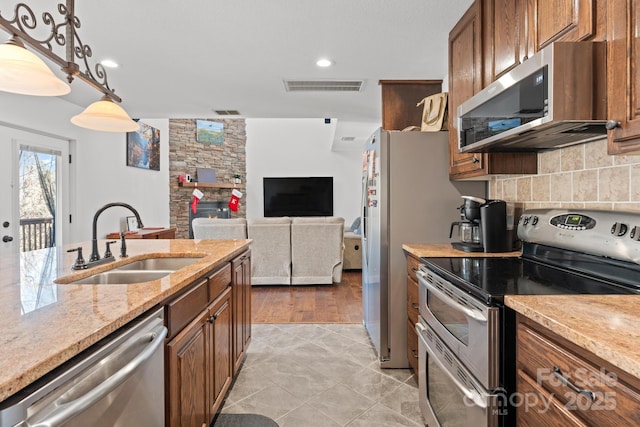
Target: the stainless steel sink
(140, 271)
(173, 264)
(117, 276)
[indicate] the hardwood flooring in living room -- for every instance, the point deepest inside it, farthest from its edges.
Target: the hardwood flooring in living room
(337, 303)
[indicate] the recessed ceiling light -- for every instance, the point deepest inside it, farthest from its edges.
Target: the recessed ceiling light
(324, 62)
(109, 63)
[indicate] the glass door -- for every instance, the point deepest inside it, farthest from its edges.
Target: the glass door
(34, 191)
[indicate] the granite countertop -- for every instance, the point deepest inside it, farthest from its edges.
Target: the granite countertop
(44, 324)
(605, 325)
(436, 250)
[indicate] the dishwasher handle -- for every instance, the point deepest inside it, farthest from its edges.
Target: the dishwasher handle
(62, 410)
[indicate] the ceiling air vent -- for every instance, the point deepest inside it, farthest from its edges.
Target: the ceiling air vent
(348, 138)
(227, 112)
(323, 85)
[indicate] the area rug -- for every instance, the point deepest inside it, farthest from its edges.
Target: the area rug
(243, 420)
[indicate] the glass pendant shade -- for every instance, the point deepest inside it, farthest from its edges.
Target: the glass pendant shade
(105, 115)
(23, 72)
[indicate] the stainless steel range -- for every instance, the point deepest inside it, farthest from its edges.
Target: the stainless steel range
(467, 340)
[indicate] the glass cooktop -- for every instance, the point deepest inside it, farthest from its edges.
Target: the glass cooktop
(490, 279)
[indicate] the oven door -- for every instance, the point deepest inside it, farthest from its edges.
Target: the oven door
(449, 395)
(468, 327)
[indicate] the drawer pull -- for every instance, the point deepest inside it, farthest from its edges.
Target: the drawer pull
(414, 269)
(414, 354)
(558, 374)
(415, 306)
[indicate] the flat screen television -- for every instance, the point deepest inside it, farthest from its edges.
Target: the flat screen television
(298, 196)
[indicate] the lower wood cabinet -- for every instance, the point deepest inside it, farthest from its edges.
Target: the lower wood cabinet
(241, 285)
(560, 384)
(413, 311)
(205, 324)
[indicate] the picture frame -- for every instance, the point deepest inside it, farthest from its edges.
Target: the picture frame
(143, 148)
(132, 223)
(210, 133)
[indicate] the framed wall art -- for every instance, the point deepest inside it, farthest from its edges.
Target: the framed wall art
(209, 132)
(143, 148)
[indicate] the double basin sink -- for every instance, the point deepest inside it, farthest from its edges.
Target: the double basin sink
(140, 271)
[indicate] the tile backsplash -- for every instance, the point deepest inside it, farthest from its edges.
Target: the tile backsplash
(581, 176)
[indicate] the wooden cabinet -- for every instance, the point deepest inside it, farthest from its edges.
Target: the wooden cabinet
(219, 340)
(549, 21)
(200, 348)
(466, 79)
(399, 99)
(623, 71)
(241, 285)
(504, 34)
(562, 384)
(413, 311)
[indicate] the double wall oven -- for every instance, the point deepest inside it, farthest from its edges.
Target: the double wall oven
(467, 335)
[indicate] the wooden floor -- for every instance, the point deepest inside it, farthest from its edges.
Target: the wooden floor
(337, 303)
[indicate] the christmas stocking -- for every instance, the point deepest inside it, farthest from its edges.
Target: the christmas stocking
(197, 195)
(234, 202)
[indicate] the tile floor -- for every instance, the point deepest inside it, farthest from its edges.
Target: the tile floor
(322, 375)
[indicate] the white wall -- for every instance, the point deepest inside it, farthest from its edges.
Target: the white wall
(99, 174)
(301, 147)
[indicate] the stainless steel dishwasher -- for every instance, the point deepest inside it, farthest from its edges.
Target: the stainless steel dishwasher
(117, 382)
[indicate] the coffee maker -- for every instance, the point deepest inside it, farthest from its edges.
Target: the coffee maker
(483, 226)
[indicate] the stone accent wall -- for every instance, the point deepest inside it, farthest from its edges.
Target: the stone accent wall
(186, 154)
(580, 176)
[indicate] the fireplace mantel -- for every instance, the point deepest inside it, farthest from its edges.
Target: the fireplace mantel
(210, 185)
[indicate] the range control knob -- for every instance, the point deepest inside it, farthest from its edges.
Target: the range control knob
(525, 221)
(635, 233)
(619, 229)
(534, 221)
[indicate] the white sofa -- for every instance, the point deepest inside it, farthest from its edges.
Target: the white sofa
(317, 249)
(270, 250)
(217, 228)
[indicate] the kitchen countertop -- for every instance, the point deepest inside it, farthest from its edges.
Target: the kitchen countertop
(605, 325)
(44, 324)
(436, 250)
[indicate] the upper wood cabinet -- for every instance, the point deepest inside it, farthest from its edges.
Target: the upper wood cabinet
(504, 25)
(623, 73)
(399, 99)
(548, 21)
(466, 79)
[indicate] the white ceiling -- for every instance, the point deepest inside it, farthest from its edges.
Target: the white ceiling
(187, 58)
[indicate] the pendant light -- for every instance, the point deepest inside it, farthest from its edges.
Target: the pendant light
(23, 72)
(105, 115)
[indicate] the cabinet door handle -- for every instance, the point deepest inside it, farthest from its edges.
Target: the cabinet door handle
(414, 269)
(212, 318)
(415, 306)
(415, 354)
(558, 374)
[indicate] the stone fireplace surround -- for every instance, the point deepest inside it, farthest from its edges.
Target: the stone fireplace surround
(186, 154)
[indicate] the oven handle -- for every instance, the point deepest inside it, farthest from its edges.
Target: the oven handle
(474, 314)
(471, 394)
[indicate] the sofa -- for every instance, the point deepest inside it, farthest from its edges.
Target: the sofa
(218, 228)
(317, 250)
(270, 250)
(285, 251)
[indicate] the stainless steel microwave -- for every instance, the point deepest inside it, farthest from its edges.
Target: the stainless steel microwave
(554, 99)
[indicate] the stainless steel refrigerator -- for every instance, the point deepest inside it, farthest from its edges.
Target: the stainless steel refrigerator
(406, 198)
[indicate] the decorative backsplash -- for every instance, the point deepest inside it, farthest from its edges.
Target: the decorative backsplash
(580, 176)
